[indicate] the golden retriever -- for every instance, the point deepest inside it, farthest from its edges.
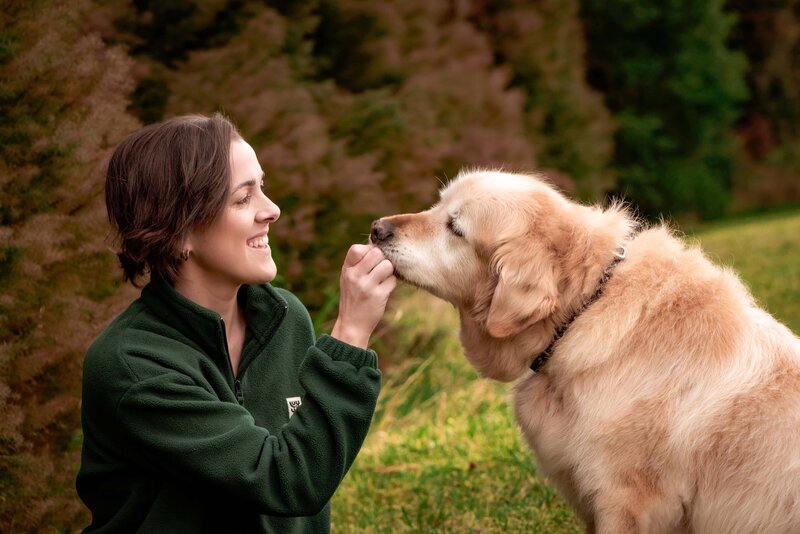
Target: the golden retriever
(670, 402)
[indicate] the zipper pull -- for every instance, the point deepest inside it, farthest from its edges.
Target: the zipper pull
(237, 387)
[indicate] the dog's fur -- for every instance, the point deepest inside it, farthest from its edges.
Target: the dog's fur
(671, 404)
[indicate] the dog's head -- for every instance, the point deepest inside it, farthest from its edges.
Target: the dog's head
(491, 246)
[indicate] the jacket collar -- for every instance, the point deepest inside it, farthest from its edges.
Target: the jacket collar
(263, 308)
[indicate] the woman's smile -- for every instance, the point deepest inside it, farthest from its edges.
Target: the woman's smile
(259, 243)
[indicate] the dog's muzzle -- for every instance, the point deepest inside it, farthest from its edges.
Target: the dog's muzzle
(382, 231)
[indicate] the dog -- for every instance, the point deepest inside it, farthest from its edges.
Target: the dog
(662, 398)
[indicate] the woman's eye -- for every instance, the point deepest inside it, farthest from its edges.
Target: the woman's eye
(243, 201)
(452, 227)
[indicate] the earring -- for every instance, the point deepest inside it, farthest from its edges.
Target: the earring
(185, 255)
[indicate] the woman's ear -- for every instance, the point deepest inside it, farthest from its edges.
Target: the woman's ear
(526, 290)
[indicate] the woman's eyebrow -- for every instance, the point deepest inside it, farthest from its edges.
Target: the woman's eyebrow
(249, 183)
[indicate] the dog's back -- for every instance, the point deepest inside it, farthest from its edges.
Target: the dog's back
(679, 402)
(749, 456)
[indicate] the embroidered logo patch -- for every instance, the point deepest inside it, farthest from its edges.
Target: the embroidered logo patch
(294, 403)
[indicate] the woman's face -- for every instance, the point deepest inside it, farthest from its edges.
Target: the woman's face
(234, 250)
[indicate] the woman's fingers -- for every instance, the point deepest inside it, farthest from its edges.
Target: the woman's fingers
(370, 260)
(355, 254)
(382, 271)
(366, 282)
(362, 262)
(388, 285)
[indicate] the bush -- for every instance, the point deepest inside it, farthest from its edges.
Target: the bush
(62, 108)
(767, 33)
(675, 90)
(543, 45)
(342, 149)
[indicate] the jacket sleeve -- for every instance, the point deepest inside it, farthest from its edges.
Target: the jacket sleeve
(173, 424)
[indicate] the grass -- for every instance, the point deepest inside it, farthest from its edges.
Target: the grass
(444, 453)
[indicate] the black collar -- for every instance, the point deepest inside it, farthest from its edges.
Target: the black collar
(543, 356)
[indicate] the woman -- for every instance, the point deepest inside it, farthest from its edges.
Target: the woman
(208, 406)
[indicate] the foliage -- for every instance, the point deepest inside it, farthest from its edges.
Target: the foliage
(543, 44)
(345, 47)
(62, 107)
(162, 34)
(424, 101)
(768, 32)
(675, 91)
(167, 30)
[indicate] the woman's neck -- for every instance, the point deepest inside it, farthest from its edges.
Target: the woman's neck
(216, 297)
(223, 300)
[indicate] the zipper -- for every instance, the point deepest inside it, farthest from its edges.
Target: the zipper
(237, 386)
(244, 363)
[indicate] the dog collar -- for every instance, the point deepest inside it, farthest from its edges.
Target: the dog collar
(543, 356)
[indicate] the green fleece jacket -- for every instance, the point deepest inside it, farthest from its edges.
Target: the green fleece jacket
(174, 442)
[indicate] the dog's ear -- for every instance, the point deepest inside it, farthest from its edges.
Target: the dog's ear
(526, 290)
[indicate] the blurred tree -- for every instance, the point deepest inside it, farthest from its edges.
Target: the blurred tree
(62, 107)
(148, 101)
(452, 109)
(167, 30)
(321, 188)
(342, 146)
(543, 44)
(292, 8)
(347, 44)
(768, 32)
(162, 33)
(675, 90)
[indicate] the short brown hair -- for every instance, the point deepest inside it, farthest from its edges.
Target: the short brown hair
(163, 181)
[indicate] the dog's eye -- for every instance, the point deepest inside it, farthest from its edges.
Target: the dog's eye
(452, 227)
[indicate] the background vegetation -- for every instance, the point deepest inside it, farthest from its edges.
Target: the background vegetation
(357, 109)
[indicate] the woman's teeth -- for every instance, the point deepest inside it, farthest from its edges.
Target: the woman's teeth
(260, 242)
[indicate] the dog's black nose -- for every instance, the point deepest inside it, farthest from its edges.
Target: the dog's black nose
(381, 231)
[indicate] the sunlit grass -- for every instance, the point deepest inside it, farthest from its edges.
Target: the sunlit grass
(444, 453)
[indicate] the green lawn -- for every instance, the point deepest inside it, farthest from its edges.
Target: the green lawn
(444, 454)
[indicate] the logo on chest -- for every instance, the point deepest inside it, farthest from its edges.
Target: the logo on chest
(293, 403)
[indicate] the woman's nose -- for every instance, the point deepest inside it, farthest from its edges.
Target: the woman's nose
(270, 212)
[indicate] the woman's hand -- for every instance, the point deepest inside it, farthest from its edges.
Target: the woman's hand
(366, 282)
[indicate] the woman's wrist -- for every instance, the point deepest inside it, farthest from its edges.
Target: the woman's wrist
(351, 336)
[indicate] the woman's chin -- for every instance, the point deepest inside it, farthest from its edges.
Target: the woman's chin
(270, 272)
